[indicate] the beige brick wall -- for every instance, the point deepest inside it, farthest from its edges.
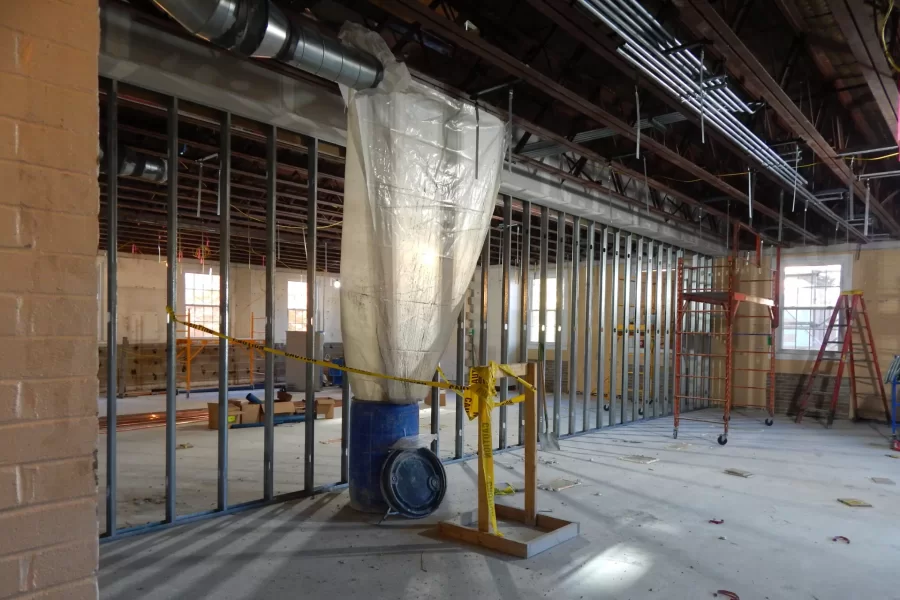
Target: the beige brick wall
(48, 350)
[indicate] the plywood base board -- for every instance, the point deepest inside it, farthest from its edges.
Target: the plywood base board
(554, 532)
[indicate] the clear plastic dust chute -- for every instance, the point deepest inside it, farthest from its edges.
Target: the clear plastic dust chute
(422, 176)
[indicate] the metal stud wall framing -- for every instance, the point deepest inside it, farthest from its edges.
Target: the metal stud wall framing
(647, 336)
(624, 370)
(112, 308)
(542, 318)
(614, 398)
(626, 337)
(558, 329)
(588, 324)
(224, 302)
(524, 293)
(658, 332)
(506, 258)
(171, 300)
(603, 330)
(573, 320)
(636, 392)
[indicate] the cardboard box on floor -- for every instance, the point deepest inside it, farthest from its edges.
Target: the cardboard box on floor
(234, 413)
(281, 408)
(324, 406)
(441, 402)
(251, 413)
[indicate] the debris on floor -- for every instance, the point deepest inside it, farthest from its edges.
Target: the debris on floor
(726, 594)
(547, 461)
(717, 521)
(679, 446)
(184, 446)
(559, 484)
(840, 538)
(148, 500)
(637, 458)
(883, 480)
(629, 441)
(854, 502)
(546, 510)
(893, 455)
(331, 441)
(722, 537)
(507, 490)
(739, 473)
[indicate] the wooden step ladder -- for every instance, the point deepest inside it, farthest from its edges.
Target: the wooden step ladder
(850, 310)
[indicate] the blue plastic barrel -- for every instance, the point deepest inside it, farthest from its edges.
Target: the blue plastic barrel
(374, 426)
(336, 375)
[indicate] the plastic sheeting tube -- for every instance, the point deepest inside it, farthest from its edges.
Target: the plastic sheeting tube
(418, 200)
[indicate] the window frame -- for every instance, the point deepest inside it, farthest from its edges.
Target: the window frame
(844, 261)
(196, 333)
(305, 310)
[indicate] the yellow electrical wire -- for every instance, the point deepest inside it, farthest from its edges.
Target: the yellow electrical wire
(884, 47)
(341, 222)
(891, 155)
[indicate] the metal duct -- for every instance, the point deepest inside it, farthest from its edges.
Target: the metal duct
(259, 29)
(148, 168)
(545, 148)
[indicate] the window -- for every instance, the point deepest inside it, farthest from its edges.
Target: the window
(296, 306)
(201, 301)
(534, 328)
(809, 294)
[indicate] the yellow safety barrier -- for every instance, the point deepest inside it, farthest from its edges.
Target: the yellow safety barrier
(478, 396)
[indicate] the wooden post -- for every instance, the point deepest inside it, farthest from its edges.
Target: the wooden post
(531, 447)
(483, 513)
(551, 531)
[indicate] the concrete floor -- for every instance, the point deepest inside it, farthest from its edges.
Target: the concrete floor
(644, 528)
(141, 455)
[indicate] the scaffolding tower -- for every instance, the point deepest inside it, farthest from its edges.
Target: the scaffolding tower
(705, 369)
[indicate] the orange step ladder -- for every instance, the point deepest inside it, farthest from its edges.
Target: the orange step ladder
(849, 314)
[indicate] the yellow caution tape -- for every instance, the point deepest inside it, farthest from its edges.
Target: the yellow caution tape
(478, 396)
(482, 383)
(249, 345)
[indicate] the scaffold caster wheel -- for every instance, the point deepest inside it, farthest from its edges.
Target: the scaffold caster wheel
(726, 419)
(675, 434)
(606, 407)
(641, 411)
(723, 439)
(769, 422)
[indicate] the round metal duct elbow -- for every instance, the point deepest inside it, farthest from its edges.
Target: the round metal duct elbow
(141, 166)
(258, 28)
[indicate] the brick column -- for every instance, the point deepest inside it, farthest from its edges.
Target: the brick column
(49, 200)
